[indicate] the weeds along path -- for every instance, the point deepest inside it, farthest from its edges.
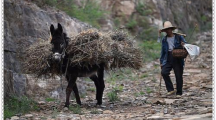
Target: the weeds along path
(134, 94)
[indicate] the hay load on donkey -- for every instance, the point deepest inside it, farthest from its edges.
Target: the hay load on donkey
(89, 47)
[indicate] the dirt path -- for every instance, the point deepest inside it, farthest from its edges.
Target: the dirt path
(137, 94)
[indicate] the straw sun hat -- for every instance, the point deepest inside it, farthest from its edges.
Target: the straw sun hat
(166, 25)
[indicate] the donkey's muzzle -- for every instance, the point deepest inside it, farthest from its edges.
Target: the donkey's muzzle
(57, 57)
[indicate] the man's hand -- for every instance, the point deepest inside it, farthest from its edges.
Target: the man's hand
(182, 43)
(159, 33)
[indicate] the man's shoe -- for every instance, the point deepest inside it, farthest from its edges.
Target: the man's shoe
(171, 93)
(178, 96)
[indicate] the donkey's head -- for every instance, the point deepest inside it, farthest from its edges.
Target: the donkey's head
(59, 42)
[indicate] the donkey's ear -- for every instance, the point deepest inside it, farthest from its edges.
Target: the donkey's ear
(52, 29)
(60, 28)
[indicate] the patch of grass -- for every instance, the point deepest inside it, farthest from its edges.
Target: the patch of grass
(75, 109)
(148, 90)
(142, 93)
(88, 79)
(115, 76)
(94, 111)
(124, 74)
(137, 94)
(113, 96)
(18, 105)
(49, 99)
(82, 95)
(144, 76)
(118, 88)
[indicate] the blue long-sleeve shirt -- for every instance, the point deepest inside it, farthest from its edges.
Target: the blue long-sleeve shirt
(165, 48)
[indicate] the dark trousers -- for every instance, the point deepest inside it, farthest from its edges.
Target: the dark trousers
(175, 64)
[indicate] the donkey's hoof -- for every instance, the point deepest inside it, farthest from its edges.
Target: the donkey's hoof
(66, 105)
(79, 103)
(99, 103)
(100, 106)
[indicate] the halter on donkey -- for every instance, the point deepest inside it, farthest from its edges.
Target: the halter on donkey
(60, 57)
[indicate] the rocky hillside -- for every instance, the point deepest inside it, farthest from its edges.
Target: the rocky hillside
(24, 24)
(138, 16)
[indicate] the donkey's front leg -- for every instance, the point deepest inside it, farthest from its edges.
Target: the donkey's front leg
(95, 79)
(71, 83)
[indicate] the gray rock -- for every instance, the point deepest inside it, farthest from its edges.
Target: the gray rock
(28, 115)
(65, 109)
(14, 118)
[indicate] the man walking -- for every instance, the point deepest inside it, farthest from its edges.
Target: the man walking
(168, 62)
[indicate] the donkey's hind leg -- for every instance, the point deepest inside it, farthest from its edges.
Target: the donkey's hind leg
(71, 82)
(101, 84)
(95, 79)
(76, 93)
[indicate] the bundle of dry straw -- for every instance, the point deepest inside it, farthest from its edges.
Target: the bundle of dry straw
(90, 47)
(38, 59)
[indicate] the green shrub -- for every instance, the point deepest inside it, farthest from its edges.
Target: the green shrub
(149, 33)
(49, 99)
(151, 50)
(113, 96)
(131, 24)
(18, 105)
(203, 18)
(117, 22)
(143, 9)
(207, 26)
(90, 11)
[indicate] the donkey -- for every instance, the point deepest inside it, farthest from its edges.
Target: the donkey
(60, 57)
